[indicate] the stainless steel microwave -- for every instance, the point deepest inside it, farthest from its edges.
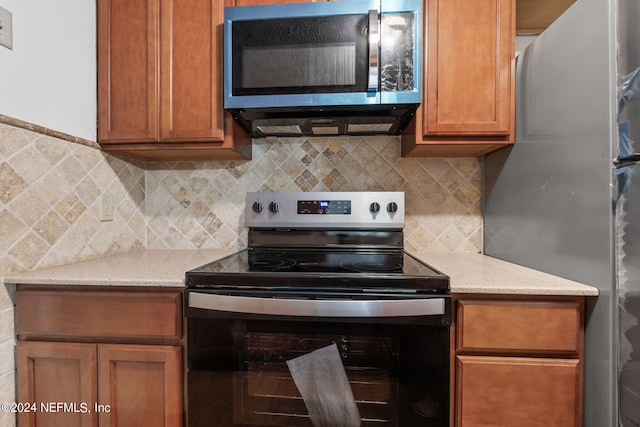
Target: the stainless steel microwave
(318, 68)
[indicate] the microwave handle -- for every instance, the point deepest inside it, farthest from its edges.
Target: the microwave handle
(374, 40)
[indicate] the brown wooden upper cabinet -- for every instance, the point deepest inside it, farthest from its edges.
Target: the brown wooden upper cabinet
(468, 89)
(160, 81)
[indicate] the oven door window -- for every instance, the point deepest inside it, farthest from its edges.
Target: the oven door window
(238, 375)
(326, 54)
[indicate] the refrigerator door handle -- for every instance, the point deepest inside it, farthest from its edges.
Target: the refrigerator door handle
(620, 162)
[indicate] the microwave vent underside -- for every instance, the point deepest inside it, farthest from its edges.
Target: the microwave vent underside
(323, 121)
(353, 128)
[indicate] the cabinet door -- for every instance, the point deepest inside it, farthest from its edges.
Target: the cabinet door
(517, 392)
(142, 385)
(191, 70)
(57, 373)
(128, 73)
(469, 63)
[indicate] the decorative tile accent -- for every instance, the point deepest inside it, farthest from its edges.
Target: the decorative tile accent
(12, 183)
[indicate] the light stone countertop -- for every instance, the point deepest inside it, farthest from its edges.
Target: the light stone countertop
(469, 273)
(153, 267)
(481, 274)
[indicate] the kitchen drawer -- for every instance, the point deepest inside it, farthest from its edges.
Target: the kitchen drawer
(88, 314)
(519, 327)
(518, 391)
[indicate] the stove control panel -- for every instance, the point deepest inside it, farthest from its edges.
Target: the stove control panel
(324, 207)
(353, 209)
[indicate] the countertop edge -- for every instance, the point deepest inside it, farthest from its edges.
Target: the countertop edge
(106, 283)
(593, 292)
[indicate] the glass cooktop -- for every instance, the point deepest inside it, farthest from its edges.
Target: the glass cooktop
(379, 270)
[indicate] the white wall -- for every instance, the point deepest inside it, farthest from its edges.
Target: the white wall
(49, 78)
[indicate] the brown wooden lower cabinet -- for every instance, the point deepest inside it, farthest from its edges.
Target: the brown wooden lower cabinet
(90, 356)
(49, 373)
(141, 384)
(517, 391)
(103, 357)
(70, 384)
(518, 361)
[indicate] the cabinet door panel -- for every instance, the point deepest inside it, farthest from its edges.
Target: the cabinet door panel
(530, 327)
(49, 373)
(469, 67)
(128, 55)
(191, 70)
(518, 392)
(45, 313)
(141, 384)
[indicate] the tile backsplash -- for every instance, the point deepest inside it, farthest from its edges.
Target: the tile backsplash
(49, 202)
(50, 190)
(201, 204)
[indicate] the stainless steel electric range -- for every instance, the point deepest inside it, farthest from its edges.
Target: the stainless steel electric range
(324, 320)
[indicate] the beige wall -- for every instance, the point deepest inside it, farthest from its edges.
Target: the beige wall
(50, 190)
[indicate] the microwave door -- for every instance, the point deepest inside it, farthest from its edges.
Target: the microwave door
(306, 54)
(401, 53)
(357, 52)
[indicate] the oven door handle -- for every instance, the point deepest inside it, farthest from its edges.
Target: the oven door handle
(318, 308)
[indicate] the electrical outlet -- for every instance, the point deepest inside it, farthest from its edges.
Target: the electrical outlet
(106, 207)
(6, 28)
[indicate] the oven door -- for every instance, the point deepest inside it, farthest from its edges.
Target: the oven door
(322, 53)
(384, 361)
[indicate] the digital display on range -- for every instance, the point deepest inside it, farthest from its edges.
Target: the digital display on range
(324, 207)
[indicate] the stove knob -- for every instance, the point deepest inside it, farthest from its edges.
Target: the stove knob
(274, 207)
(374, 207)
(392, 207)
(257, 207)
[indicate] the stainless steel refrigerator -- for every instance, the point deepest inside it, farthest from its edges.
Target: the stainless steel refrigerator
(565, 198)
